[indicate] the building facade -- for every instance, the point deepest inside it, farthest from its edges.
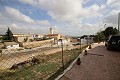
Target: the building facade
(11, 45)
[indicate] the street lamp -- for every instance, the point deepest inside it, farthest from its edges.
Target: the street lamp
(104, 31)
(104, 26)
(118, 23)
(62, 53)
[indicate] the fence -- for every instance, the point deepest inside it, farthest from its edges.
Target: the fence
(41, 62)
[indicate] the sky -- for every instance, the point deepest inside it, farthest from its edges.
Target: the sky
(67, 17)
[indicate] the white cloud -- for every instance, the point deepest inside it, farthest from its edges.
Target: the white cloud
(73, 12)
(112, 17)
(80, 29)
(15, 26)
(113, 3)
(66, 10)
(95, 7)
(43, 22)
(19, 22)
(70, 12)
(15, 14)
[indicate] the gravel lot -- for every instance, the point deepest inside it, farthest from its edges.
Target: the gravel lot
(99, 64)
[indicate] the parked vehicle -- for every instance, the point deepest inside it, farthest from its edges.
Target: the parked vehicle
(113, 43)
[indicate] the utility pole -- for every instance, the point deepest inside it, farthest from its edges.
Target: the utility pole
(118, 23)
(62, 54)
(104, 31)
(87, 40)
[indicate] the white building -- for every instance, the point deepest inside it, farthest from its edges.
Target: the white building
(11, 45)
(88, 39)
(64, 41)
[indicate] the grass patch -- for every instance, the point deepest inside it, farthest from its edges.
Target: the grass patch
(48, 68)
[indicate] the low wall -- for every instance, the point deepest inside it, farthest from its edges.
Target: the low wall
(35, 43)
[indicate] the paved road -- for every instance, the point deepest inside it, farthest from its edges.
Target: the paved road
(99, 64)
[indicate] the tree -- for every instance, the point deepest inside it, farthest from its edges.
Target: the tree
(99, 36)
(110, 31)
(8, 35)
(104, 35)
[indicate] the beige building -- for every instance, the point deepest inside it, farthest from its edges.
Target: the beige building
(55, 36)
(23, 38)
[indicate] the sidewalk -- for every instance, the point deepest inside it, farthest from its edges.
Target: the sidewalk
(99, 64)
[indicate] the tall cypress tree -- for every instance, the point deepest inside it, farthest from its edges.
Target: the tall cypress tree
(8, 35)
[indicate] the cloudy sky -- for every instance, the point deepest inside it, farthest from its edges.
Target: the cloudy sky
(67, 17)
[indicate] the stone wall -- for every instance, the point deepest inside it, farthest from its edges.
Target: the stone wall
(35, 43)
